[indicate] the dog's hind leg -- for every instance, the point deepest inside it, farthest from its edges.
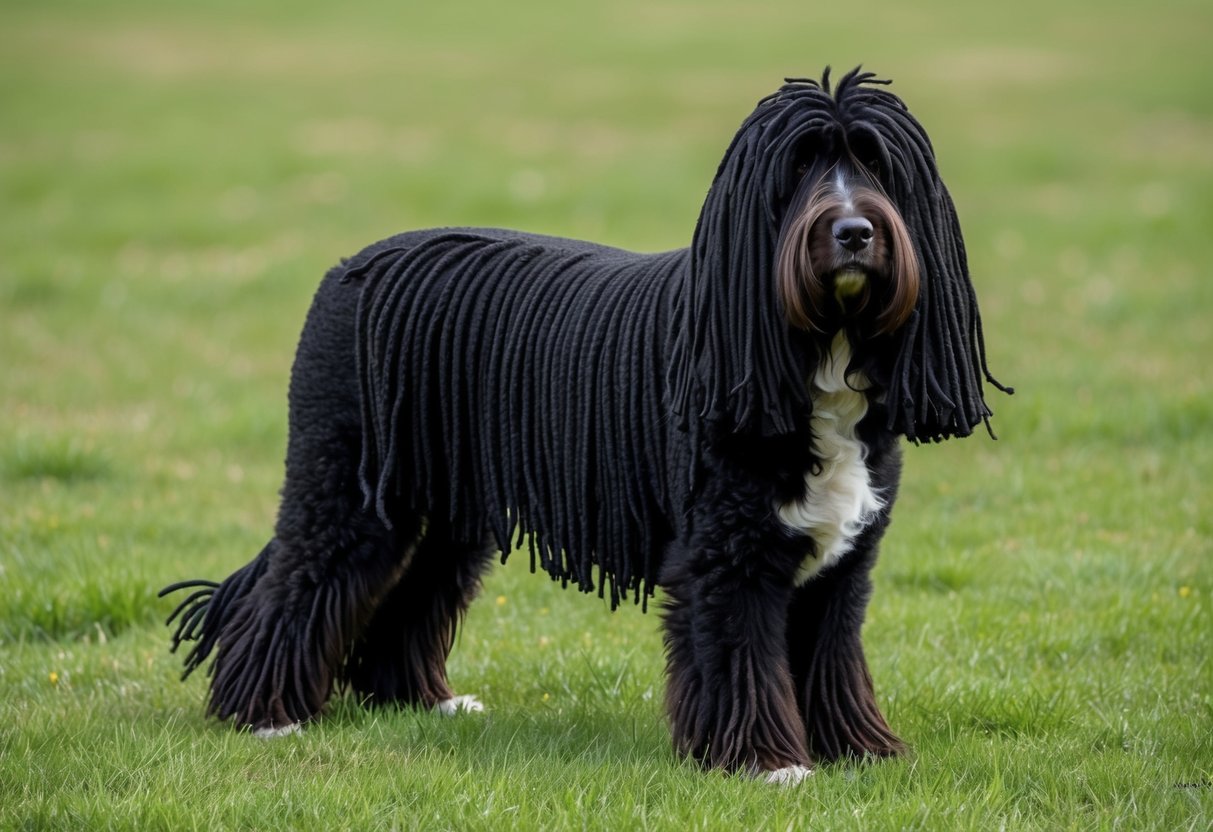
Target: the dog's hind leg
(401, 654)
(281, 642)
(282, 627)
(833, 685)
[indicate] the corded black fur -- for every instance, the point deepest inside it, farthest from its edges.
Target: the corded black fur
(636, 420)
(533, 423)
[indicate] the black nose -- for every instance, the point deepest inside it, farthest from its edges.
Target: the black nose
(853, 233)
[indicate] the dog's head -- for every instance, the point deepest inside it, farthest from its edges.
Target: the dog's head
(844, 256)
(828, 212)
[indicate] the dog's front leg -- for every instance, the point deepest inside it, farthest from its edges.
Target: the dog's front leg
(729, 692)
(826, 656)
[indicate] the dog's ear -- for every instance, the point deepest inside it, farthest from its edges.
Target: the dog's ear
(936, 389)
(937, 383)
(734, 366)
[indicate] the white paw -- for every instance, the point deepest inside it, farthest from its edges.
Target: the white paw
(280, 731)
(789, 776)
(466, 703)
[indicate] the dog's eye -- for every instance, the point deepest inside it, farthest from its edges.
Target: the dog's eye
(802, 158)
(867, 152)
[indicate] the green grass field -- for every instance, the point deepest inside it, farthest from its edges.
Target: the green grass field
(175, 178)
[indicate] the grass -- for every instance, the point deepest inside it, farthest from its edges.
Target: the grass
(175, 178)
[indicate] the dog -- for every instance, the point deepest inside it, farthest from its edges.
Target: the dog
(722, 421)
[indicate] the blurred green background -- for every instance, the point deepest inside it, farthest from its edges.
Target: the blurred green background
(176, 177)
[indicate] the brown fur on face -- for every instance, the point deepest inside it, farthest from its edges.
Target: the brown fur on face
(809, 257)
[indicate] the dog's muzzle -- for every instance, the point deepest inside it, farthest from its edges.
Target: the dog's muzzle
(853, 234)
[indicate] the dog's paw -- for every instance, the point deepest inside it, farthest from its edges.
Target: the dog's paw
(270, 733)
(467, 704)
(787, 776)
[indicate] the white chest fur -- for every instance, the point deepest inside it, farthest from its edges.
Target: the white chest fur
(839, 501)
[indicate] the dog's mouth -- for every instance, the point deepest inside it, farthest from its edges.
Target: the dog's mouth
(849, 284)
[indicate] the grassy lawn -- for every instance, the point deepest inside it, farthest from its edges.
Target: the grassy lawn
(175, 178)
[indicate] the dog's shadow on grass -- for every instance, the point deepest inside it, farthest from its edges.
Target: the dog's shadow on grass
(578, 734)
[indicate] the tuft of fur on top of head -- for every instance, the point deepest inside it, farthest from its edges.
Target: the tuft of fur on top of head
(736, 364)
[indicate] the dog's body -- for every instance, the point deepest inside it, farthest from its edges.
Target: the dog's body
(722, 421)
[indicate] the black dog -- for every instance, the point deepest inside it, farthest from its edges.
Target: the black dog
(721, 421)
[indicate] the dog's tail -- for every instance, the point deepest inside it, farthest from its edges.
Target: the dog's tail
(201, 615)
